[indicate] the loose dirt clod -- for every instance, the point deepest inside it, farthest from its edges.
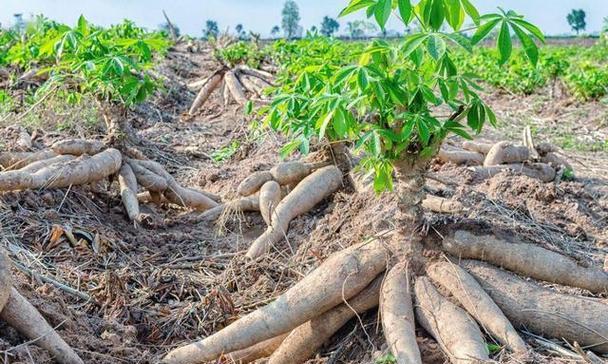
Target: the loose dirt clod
(455, 331)
(543, 311)
(341, 276)
(527, 259)
(397, 313)
(312, 190)
(477, 303)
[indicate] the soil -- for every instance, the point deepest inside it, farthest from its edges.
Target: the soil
(153, 288)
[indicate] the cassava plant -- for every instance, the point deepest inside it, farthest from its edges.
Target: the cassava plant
(397, 105)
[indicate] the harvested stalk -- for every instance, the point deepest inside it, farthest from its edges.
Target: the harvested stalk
(527, 259)
(235, 87)
(477, 303)
(203, 95)
(253, 183)
(341, 276)
(528, 142)
(460, 157)
(36, 166)
(81, 171)
(504, 153)
(270, 196)
(16, 160)
(128, 191)
(455, 331)
(543, 311)
(540, 171)
(312, 190)
(478, 147)
(397, 315)
(78, 147)
(257, 351)
(442, 205)
(304, 341)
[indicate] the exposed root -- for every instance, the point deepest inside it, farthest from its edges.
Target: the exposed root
(541, 171)
(312, 190)
(128, 192)
(544, 311)
(442, 205)
(478, 147)
(397, 315)
(477, 303)
(505, 152)
(36, 166)
(212, 83)
(253, 183)
(304, 341)
(257, 351)
(341, 276)
(235, 87)
(460, 157)
(78, 147)
(455, 331)
(17, 160)
(270, 196)
(23, 317)
(527, 259)
(266, 76)
(146, 178)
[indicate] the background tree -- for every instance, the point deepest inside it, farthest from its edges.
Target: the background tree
(166, 28)
(240, 31)
(211, 30)
(291, 19)
(275, 31)
(329, 26)
(576, 19)
(360, 28)
(19, 24)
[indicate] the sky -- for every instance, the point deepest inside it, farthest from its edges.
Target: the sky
(261, 15)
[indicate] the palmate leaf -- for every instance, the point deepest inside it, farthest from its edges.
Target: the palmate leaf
(356, 5)
(527, 43)
(382, 12)
(405, 10)
(505, 45)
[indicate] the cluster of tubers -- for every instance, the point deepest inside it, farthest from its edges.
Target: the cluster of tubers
(281, 194)
(234, 84)
(79, 162)
(20, 314)
(541, 161)
(293, 327)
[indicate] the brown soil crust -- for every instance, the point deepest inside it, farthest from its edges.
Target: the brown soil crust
(152, 289)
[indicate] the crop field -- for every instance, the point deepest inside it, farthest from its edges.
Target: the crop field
(435, 197)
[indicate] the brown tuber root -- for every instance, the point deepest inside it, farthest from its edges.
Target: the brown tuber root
(304, 341)
(16, 160)
(257, 351)
(527, 259)
(397, 316)
(312, 190)
(253, 183)
(478, 147)
(212, 83)
(541, 310)
(460, 157)
(270, 196)
(556, 160)
(263, 75)
(243, 204)
(36, 166)
(128, 192)
(540, 171)
(23, 317)
(477, 302)
(341, 276)
(81, 171)
(235, 87)
(442, 205)
(78, 147)
(505, 152)
(293, 172)
(148, 179)
(455, 331)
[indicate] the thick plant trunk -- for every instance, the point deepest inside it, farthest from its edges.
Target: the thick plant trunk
(409, 188)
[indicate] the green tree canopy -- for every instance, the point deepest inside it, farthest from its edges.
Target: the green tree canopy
(291, 18)
(329, 26)
(211, 30)
(576, 19)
